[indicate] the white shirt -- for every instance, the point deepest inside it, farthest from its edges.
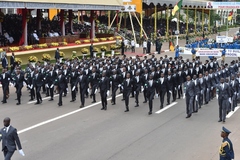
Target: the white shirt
(144, 44)
(132, 43)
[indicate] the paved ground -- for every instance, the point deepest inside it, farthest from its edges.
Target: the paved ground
(49, 132)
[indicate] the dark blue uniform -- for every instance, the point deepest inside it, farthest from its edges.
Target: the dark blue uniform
(226, 150)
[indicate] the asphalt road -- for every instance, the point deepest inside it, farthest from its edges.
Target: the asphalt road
(49, 132)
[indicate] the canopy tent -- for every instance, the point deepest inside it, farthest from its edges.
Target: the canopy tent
(171, 3)
(62, 4)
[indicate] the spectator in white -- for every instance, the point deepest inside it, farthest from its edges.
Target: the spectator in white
(10, 39)
(55, 34)
(133, 46)
(144, 46)
(50, 34)
(35, 35)
(126, 44)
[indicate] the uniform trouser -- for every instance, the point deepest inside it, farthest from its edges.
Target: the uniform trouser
(19, 94)
(7, 154)
(145, 94)
(103, 95)
(150, 101)
(61, 90)
(223, 103)
(38, 95)
(180, 91)
(132, 91)
(65, 90)
(114, 90)
(32, 92)
(174, 93)
(223, 58)
(51, 90)
(207, 95)
(44, 88)
(73, 92)
(126, 97)
(94, 87)
(5, 89)
(162, 95)
(197, 103)
(193, 56)
(189, 104)
(82, 95)
(168, 96)
(212, 92)
(234, 101)
(137, 96)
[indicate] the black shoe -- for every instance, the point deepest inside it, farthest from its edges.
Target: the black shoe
(64, 95)
(93, 101)
(188, 116)
(145, 102)
(47, 95)
(102, 108)
(173, 100)
(132, 97)
(161, 107)
(123, 99)
(72, 100)
(105, 108)
(219, 120)
(59, 104)
(113, 103)
(167, 104)
(149, 113)
(50, 99)
(137, 105)
(127, 110)
(31, 99)
(81, 106)
(195, 111)
(37, 103)
(223, 121)
(4, 102)
(18, 103)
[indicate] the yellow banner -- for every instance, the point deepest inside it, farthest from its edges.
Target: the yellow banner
(138, 4)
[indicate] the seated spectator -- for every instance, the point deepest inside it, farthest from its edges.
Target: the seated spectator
(10, 39)
(36, 38)
(50, 34)
(55, 34)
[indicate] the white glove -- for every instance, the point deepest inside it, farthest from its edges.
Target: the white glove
(196, 98)
(47, 86)
(156, 95)
(95, 91)
(108, 93)
(119, 85)
(51, 86)
(21, 152)
(110, 82)
(175, 88)
(184, 96)
(211, 88)
(122, 87)
(170, 92)
(24, 84)
(178, 86)
(201, 91)
(207, 89)
(88, 90)
(229, 100)
(73, 88)
(134, 92)
(217, 96)
(235, 93)
(31, 86)
(142, 88)
(11, 84)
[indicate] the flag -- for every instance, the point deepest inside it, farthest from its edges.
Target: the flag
(230, 16)
(177, 7)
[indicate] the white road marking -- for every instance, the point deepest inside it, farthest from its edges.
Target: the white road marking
(232, 112)
(42, 99)
(165, 108)
(62, 116)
